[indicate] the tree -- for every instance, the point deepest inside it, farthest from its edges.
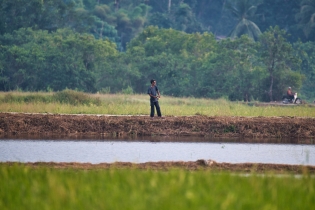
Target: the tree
(306, 17)
(244, 11)
(306, 52)
(279, 13)
(184, 19)
(172, 57)
(37, 14)
(276, 54)
(38, 60)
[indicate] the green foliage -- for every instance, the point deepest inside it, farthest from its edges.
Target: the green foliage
(244, 11)
(277, 56)
(55, 44)
(306, 51)
(127, 91)
(23, 187)
(36, 60)
(37, 14)
(120, 21)
(271, 13)
(32, 98)
(305, 17)
(105, 90)
(64, 97)
(74, 98)
(197, 65)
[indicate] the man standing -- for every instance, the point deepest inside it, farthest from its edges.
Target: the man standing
(154, 93)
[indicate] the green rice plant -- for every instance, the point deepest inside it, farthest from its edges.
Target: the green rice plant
(40, 188)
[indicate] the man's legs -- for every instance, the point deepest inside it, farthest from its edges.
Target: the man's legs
(158, 110)
(152, 110)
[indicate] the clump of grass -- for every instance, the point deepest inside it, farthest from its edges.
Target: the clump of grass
(63, 97)
(30, 98)
(74, 98)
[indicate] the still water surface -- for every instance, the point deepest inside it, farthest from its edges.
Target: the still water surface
(139, 152)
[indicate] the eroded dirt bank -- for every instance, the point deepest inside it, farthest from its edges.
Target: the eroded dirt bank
(241, 127)
(190, 165)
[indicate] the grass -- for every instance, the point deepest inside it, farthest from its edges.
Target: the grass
(23, 187)
(72, 102)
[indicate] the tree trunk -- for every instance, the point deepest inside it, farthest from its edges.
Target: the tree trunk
(101, 31)
(271, 69)
(270, 88)
(169, 5)
(116, 5)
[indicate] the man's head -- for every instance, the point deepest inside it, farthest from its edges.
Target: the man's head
(152, 81)
(289, 88)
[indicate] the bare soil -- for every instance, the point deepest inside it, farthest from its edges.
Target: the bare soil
(190, 165)
(202, 126)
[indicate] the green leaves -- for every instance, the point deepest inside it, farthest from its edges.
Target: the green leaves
(277, 56)
(244, 11)
(305, 17)
(306, 52)
(36, 60)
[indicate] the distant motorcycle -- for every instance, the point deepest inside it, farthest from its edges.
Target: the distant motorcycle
(288, 100)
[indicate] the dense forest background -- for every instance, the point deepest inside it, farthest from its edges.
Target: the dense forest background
(236, 49)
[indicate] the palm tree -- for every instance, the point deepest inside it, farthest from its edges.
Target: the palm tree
(306, 16)
(243, 10)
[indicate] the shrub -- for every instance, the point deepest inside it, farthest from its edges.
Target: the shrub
(75, 98)
(32, 98)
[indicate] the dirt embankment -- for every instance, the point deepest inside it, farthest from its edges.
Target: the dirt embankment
(258, 168)
(101, 125)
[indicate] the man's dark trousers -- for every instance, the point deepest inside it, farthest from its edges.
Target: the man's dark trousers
(157, 106)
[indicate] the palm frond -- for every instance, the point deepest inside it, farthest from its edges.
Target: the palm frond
(233, 10)
(251, 11)
(306, 16)
(244, 10)
(246, 27)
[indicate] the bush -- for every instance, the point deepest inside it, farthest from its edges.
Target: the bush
(33, 98)
(75, 98)
(127, 91)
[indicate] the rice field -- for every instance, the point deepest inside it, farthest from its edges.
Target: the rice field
(23, 187)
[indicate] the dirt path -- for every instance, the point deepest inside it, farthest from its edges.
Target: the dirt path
(100, 125)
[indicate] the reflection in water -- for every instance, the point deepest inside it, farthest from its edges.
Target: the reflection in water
(125, 151)
(158, 139)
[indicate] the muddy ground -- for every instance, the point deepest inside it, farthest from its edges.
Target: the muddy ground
(258, 168)
(18, 124)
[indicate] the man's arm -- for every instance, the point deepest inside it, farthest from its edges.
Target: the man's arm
(150, 94)
(153, 95)
(158, 92)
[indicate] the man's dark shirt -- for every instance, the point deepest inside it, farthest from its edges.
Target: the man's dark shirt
(153, 91)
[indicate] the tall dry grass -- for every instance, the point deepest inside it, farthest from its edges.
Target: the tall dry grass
(73, 102)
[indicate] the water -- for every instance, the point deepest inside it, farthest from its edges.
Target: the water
(138, 152)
